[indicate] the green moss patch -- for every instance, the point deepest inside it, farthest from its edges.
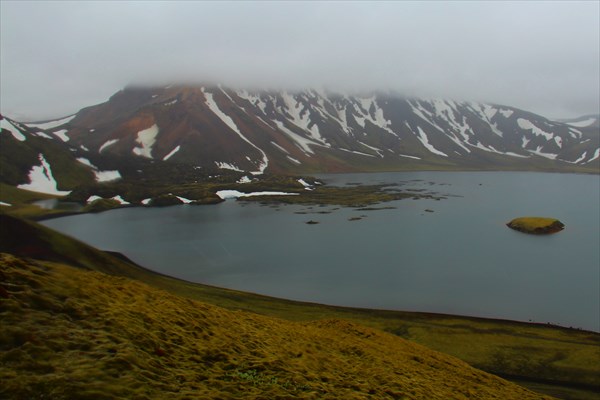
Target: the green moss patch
(536, 225)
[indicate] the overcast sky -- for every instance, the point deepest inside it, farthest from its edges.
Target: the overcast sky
(58, 57)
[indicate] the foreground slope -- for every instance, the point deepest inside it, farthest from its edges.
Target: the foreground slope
(561, 362)
(71, 333)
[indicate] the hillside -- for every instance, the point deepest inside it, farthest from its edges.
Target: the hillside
(90, 335)
(559, 361)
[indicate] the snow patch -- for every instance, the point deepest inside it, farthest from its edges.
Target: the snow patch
(5, 124)
(407, 156)
(425, 141)
(184, 200)
(93, 198)
(87, 162)
(146, 201)
(356, 152)
(146, 138)
(224, 165)
(42, 134)
(229, 122)
(506, 113)
(301, 141)
(280, 148)
(5, 204)
(106, 144)
(107, 176)
(538, 151)
(120, 199)
(292, 159)
(234, 194)
(244, 179)
(175, 150)
(62, 135)
(528, 125)
(41, 179)
(595, 156)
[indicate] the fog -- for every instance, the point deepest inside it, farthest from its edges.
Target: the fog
(58, 57)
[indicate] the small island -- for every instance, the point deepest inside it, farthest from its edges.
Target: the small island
(536, 225)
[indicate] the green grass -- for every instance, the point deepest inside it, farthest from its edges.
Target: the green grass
(558, 357)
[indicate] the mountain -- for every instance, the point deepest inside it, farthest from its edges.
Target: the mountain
(211, 127)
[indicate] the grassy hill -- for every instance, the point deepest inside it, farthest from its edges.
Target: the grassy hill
(71, 333)
(172, 334)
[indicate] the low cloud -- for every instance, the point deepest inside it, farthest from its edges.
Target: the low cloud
(58, 57)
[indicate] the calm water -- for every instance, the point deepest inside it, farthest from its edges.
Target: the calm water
(459, 259)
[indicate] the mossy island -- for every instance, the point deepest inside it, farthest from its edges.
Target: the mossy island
(536, 225)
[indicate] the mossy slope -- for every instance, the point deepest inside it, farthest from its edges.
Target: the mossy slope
(529, 353)
(71, 333)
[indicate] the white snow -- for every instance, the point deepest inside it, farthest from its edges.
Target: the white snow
(356, 152)
(489, 111)
(229, 122)
(253, 99)
(85, 161)
(5, 204)
(175, 150)
(244, 179)
(301, 116)
(107, 176)
(506, 113)
(292, 159)
(538, 151)
(375, 149)
(170, 103)
(524, 142)
(280, 148)
(41, 179)
(106, 144)
(581, 158)
(42, 134)
(184, 200)
(234, 194)
(92, 130)
(575, 133)
(120, 199)
(528, 125)
(306, 185)
(224, 165)
(595, 156)
(582, 124)
(301, 141)
(558, 141)
(62, 135)
(101, 176)
(52, 124)
(146, 201)
(82, 147)
(93, 198)
(5, 124)
(146, 138)
(425, 141)
(407, 156)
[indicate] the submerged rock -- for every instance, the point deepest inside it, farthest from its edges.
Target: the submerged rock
(536, 225)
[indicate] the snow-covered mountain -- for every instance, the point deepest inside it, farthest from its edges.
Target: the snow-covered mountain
(211, 127)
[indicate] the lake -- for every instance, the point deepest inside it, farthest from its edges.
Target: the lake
(458, 257)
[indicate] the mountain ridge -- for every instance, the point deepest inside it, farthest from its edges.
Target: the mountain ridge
(311, 131)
